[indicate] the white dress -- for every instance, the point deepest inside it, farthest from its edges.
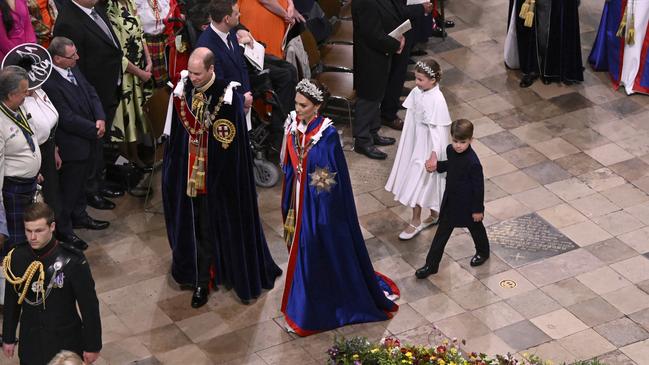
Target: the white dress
(426, 129)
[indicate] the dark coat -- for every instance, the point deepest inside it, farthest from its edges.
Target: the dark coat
(229, 65)
(241, 258)
(100, 60)
(464, 193)
(46, 330)
(79, 108)
(373, 47)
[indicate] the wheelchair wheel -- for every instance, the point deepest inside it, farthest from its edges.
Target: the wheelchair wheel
(266, 173)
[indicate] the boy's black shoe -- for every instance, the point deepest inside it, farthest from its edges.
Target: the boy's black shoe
(200, 296)
(478, 259)
(426, 271)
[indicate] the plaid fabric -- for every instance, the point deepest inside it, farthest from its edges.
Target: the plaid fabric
(156, 46)
(17, 195)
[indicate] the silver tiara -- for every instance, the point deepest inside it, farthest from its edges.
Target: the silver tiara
(308, 88)
(429, 71)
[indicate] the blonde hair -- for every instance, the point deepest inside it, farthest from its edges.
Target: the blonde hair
(66, 358)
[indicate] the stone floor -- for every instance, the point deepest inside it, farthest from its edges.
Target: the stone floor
(567, 172)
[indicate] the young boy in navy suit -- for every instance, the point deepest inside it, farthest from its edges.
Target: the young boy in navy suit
(463, 201)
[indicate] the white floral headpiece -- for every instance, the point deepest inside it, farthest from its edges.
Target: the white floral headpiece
(306, 87)
(429, 71)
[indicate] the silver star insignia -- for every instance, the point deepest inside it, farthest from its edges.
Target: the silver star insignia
(322, 179)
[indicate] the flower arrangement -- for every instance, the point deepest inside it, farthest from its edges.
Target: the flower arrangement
(390, 351)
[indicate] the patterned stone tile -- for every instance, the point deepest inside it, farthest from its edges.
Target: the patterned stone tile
(547, 172)
(525, 239)
(522, 335)
(559, 324)
(560, 267)
(595, 311)
(622, 332)
(586, 344)
(611, 250)
(578, 164)
(533, 303)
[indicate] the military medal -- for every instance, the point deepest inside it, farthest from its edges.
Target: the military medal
(58, 280)
(224, 131)
(37, 287)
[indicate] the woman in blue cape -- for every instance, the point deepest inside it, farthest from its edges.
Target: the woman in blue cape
(622, 43)
(330, 280)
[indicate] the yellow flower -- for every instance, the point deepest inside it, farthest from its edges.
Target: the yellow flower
(441, 362)
(355, 357)
(453, 351)
(452, 363)
(408, 354)
(374, 350)
(548, 362)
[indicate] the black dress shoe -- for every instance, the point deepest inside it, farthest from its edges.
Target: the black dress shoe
(371, 152)
(478, 259)
(528, 80)
(90, 223)
(449, 24)
(111, 193)
(99, 202)
(199, 298)
(383, 141)
(425, 271)
(396, 123)
(439, 33)
(74, 240)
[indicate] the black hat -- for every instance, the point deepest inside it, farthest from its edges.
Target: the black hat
(34, 58)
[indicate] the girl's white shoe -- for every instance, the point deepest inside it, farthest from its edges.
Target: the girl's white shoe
(408, 235)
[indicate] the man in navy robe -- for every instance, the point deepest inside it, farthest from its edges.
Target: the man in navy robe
(543, 40)
(209, 194)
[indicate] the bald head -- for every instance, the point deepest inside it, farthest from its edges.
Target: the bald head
(203, 55)
(200, 66)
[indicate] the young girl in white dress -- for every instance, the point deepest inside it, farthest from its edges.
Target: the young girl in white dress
(423, 140)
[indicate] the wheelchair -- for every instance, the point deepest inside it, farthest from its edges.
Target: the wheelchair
(267, 121)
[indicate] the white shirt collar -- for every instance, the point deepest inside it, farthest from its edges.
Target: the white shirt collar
(85, 10)
(222, 35)
(62, 71)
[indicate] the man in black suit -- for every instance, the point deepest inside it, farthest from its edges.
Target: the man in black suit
(81, 127)
(221, 38)
(101, 62)
(399, 67)
(373, 20)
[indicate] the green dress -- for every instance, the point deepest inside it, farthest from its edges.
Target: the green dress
(130, 119)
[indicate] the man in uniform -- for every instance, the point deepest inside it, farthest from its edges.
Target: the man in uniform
(209, 193)
(46, 281)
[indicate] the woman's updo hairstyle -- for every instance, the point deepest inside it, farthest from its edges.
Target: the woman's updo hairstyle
(316, 92)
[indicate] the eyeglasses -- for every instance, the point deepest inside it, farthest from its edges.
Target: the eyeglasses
(71, 57)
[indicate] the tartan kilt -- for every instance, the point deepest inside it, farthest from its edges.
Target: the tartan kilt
(156, 45)
(17, 194)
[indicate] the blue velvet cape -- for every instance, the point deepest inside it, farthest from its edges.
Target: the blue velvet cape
(330, 281)
(608, 50)
(242, 259)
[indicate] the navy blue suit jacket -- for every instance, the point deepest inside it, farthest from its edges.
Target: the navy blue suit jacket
(229, 65)
(79, 109)
(464, 193)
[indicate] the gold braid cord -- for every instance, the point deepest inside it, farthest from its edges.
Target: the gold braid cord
(26, 279)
